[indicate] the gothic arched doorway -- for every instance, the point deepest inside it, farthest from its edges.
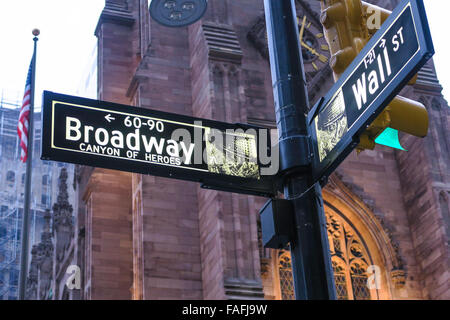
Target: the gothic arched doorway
(365, 263)
(350, 260)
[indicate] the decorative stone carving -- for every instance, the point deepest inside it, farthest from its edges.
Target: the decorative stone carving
(365, 209)
(33, 272)
(398, 277)
(44, 258)
(265, 265)
(264, 262)
(62, 218)
(257, 36)
(337, 183)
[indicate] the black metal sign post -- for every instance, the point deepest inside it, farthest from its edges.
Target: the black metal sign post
(391, 58)
(311, 261)
(219, 155)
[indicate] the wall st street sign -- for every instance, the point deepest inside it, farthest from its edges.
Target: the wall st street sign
(102, 134)
(385, 65)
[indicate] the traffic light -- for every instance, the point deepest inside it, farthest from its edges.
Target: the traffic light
(348, 26)
(401, 114)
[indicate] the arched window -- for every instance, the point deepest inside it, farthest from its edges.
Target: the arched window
(350, 261)
(359, 282)
(365, 262)
(285, 269)
(340, 280)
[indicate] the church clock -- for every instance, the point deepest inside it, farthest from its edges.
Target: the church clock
(315, 49)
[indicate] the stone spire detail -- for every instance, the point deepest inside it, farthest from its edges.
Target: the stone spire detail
(44, 258)
(62, 218)
(33, 273)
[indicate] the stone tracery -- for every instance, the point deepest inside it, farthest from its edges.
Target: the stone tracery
(352, 254)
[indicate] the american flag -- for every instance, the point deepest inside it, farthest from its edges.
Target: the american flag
(24, 117)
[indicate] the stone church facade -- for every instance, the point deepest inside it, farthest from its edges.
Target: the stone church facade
(146, 237)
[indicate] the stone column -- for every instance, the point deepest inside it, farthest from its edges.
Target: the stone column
(105, 195)
(166, 238)
(228, 230)
(108, 262)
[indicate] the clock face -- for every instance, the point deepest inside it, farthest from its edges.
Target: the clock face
(315, 50)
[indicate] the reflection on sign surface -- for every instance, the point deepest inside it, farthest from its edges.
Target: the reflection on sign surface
(331, 125)
(237, 157)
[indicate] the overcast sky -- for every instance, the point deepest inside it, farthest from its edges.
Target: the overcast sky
(64, 47)
(67, 40)
(438, 17)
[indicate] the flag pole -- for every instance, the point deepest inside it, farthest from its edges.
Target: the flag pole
(27, 200)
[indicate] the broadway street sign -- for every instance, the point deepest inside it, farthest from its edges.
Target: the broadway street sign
(385, 65)
(219, 155)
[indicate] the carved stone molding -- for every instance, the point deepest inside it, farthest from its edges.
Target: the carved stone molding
(378, 231)
(258, 37)
(427, 80)
(398, 278)
(44, 259)
(140, 75)
(222, 42)
(115, 13)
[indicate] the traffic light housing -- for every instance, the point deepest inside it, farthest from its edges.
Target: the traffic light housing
(348, 26)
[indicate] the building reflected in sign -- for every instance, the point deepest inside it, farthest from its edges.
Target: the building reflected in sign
(331, 125)
(232, 154)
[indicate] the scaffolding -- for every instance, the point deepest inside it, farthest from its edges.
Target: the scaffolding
(44, 191)
(10, 215)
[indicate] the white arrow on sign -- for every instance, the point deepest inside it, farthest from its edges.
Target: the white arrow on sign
(383, 43)
(108, 118)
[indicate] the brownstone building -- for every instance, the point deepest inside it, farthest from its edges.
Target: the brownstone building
(146, 237)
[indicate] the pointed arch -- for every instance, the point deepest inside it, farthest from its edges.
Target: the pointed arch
(375, 242)
(365, 260)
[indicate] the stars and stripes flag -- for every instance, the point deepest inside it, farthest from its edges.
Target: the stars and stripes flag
(24, 117)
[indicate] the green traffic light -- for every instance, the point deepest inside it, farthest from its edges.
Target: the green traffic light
(389, 137)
